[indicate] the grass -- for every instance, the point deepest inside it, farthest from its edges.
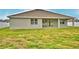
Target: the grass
(40, 38)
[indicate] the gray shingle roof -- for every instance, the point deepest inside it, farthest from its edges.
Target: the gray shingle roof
(39, 13)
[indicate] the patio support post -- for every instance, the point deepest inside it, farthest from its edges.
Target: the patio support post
(73, 22)
(58, 23)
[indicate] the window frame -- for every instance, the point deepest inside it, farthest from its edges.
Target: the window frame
(34, 21)
(62, 22)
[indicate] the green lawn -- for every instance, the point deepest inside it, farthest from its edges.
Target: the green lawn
(40, 38)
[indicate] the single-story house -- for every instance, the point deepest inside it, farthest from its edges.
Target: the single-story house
(38, 18)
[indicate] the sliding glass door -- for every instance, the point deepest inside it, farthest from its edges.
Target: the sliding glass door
(47, 22)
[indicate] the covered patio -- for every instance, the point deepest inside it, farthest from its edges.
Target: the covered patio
(55, 22)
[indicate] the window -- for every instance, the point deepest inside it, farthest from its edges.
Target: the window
(34, 21)
(62, 22)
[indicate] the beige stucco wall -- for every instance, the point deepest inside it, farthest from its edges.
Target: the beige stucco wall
(24, 24)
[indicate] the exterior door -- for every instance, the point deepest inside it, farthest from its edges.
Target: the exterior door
(50, 23)
(47, 23)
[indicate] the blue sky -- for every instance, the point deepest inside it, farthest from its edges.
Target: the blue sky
(71, 12)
